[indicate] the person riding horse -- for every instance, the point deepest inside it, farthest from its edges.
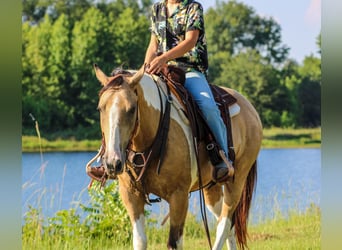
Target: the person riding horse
(178, 38)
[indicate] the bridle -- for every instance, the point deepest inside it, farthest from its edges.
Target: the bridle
(138, 162)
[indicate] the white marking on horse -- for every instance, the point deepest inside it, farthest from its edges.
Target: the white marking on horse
(114, 135)
(216, 209)
(222, 233)
(180, 243)
(139, 236)
(152, 98)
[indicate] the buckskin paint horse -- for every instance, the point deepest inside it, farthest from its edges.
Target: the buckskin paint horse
(129, 108)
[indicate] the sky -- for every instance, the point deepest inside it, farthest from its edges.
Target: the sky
(300, 22)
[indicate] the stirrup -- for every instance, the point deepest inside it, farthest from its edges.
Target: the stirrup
(98, 174)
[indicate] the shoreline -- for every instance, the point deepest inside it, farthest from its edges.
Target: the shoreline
(273, 138)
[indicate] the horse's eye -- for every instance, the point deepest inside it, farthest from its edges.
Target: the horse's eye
(131, 110)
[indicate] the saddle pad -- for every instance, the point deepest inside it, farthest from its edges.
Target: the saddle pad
(225, 101)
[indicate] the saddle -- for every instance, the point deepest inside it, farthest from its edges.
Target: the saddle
(174, 77)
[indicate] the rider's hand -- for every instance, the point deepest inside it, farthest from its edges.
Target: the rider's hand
(156, 64)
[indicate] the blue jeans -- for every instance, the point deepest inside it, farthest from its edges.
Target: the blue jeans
(197, 85)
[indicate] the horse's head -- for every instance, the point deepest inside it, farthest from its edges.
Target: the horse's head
(118, 114)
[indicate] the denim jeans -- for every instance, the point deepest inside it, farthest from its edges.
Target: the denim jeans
(197, 85)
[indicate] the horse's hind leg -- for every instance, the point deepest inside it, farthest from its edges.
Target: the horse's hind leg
(134, 203)
(224, 231)
(178, 210)
(213, 200)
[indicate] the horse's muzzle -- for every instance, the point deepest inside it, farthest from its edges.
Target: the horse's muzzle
(114, 168)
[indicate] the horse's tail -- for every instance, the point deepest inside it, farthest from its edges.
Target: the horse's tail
(240, 215)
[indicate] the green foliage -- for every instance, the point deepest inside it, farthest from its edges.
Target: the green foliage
(297, 231)
(249, 74)
(233, 26)
(282, 138)
(107, 215)
(309, 95)
(32, 228)
(65, 225)
(106, 220)
(59, 86)
(311, 69)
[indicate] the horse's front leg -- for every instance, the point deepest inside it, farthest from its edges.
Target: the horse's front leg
(178, 210)
(134, 202)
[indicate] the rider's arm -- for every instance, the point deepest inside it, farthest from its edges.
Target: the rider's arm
(151, 49)
(183, 47)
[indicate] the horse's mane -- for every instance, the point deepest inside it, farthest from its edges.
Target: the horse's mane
(121, 71)
(118, 74)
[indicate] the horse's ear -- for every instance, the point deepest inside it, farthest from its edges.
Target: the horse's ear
(135, 79)
(100, 75)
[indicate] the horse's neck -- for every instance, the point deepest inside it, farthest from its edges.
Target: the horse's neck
(148, 114)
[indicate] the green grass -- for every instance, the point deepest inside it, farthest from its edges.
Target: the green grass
(298, 231)
(286, 138)
(105, 225)
(273, 138)
(31, 144)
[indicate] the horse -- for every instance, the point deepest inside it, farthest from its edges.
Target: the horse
(130, 106)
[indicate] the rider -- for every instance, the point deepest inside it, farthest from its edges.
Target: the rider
(178, 38)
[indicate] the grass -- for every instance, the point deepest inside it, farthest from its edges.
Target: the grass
(298, 231)
(104, 224)
(273, 138)
(31, 144)
(286, 138)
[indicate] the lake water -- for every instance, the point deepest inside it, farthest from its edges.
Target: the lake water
(288, 179)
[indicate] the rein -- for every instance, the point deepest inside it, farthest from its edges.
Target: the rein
(179, 91)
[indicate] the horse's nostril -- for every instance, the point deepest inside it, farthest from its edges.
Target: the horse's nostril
(118, 166)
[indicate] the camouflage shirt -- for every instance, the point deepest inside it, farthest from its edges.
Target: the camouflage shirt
(171, 30)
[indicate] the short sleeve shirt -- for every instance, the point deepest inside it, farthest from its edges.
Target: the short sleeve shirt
(170, 31)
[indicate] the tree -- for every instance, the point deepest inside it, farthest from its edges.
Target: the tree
(131, 35)
(36, 91)
(309, 96)
(34, 10)
(233, 27)
(258, 81)
(309, 92)
(46, 58)
(290, 78)
(91, 43)
(59, 69)
(311, 68)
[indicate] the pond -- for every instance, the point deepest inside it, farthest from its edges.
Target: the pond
(288, 179)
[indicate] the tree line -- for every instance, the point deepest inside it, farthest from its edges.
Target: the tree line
(61, 39)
